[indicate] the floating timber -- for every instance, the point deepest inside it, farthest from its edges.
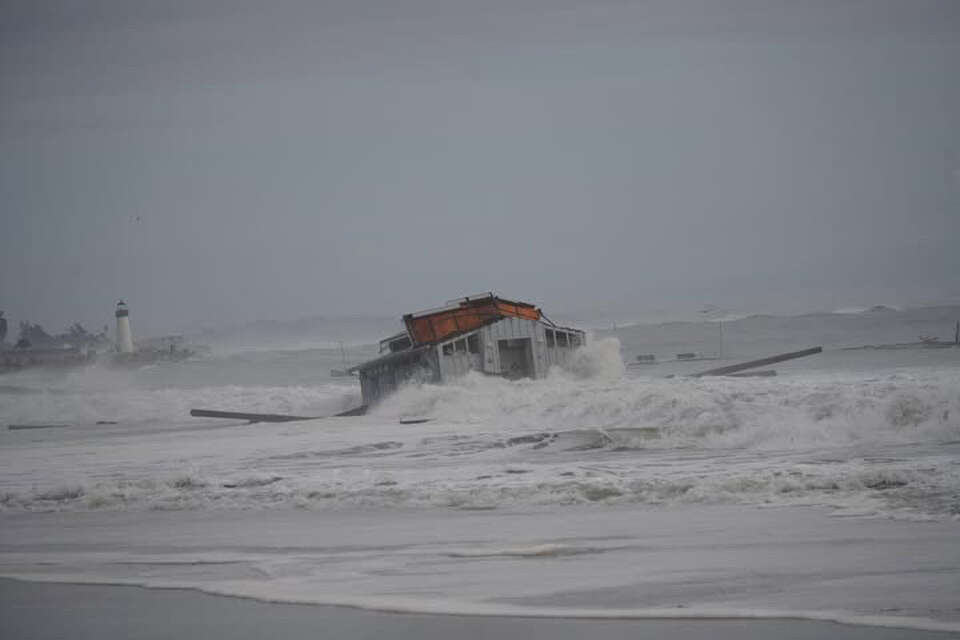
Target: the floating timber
(765, 373)
(753, 364)
(254, 418)
(22, 427)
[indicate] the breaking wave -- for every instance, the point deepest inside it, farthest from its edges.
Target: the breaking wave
(599, 359)
(584, 435)
(710, 413)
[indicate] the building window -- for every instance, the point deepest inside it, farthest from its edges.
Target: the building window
(575, 340)
(561, 339)
(460, 346)
(473, 343)
(550, 340)
(448, 349)
(400, 344)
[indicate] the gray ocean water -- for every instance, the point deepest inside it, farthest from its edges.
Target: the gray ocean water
(869, 429)
(830, 491)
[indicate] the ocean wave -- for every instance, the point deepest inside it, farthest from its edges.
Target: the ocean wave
(583, 435)
(909, 487)
(708, 413)
(131, 405)
(849, 496)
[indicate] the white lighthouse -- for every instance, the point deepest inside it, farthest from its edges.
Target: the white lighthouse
(124, 337)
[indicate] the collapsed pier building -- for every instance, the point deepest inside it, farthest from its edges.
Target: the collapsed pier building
(482, 333)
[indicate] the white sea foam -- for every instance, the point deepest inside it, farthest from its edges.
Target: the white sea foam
(525, 551)
(586, 434)
(591, 563)
(855, 309)
(599, 359)
(870, 447)
(711, 413)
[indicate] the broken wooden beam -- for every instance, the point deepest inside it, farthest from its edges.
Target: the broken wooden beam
(21, 427)
(753, 364)
(356, 411)
(254, 418)
(763, 373)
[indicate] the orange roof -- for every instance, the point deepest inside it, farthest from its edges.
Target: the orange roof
(464, 315)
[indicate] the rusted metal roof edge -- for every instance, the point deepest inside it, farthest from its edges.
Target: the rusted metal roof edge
(459, 303)
(460, 334)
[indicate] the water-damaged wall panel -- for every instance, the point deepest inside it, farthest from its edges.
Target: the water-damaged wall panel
(488, 346)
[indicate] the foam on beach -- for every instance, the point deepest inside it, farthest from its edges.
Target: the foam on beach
(588, 563)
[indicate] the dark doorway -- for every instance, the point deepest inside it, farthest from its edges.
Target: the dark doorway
(516, 358)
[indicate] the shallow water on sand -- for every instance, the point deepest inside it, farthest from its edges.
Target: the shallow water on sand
(97, 612)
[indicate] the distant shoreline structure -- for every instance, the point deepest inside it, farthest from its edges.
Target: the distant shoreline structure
(79, 348)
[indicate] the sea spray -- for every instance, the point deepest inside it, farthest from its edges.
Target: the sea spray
(587, 434)
(599, 359)
(707, 413)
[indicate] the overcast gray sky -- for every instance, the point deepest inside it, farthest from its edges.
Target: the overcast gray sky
(229, 161)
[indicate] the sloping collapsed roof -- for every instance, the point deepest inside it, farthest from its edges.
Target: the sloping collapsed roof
(465, 314)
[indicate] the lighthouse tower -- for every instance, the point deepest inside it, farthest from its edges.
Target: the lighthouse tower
(124, 337)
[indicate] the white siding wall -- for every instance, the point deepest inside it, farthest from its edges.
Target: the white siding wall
(489, 351)
(458, 364)
(504, 330)
(488, 360)
(557, 356)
